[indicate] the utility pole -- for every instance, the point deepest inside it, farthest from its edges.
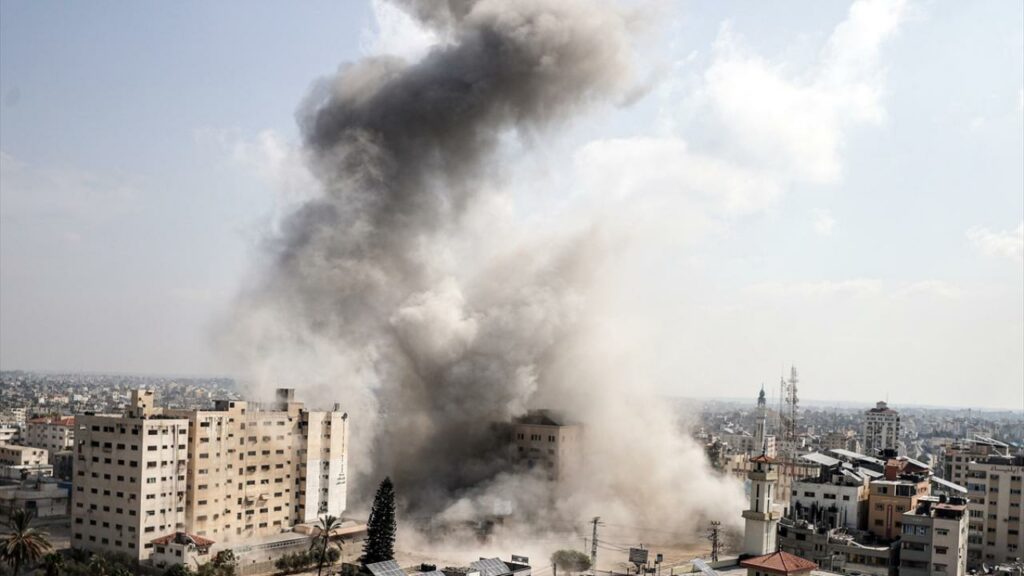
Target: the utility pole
(593, 546)
(716, 544)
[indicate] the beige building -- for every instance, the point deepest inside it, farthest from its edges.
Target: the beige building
(53, 434)
(889, 500)
(933, 538)
(239, 472)
(13, 455)
(956, 456)
(545, 440)
(994, 487)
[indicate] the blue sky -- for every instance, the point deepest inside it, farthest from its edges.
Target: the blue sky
(876, 242)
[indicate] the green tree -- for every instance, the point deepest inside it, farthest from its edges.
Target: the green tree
(178, 570)
(24, 545)
(53, 564)
(572, 561)
(322, 542)
(380, 527)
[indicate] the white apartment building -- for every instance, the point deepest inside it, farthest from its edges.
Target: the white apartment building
(836, 498)
(933, 540)
(881, 429)
(994, 487)
(53, 434)
(239, 472)
(14, 455)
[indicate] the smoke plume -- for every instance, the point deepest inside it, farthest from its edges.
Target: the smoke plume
(404, 290)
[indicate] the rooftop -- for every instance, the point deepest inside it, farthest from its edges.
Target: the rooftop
(779, 562)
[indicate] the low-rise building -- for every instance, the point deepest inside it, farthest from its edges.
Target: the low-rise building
(42, 499)
(53, 434)
(836, 498)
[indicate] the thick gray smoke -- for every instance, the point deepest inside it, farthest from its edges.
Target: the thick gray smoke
(393, 292)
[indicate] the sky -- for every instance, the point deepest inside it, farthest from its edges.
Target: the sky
(835, 186)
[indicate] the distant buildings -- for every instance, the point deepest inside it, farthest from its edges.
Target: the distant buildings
(881, 429)
(545, 440)
(241, 471)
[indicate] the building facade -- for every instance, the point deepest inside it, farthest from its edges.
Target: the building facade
(836, 498)
(956, 456)
(889, 499)
(933, 539)
(881, 429)
(238, 472)
(53, 434)
(545, 440)
(994, 488)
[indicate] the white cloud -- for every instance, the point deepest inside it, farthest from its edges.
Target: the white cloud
(396, 33)
(796, 121)
(824, 223)
(762, 126)
(1004, 243)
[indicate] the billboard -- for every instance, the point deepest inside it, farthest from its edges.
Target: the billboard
(638, 556)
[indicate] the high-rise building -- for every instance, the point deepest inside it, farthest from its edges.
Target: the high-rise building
(933, 538)
(881, 429)
(241, 471)
(762, 518)
(994, 487)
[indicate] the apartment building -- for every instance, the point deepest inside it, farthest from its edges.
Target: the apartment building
(53, 434)
(239, 472)
(957, 455)
(934, 538)
(888, 500)
(546, 440)
(14, 455)
(881, 429)
(846, 440)
(836, 498)
(994, 487)
(129, 480)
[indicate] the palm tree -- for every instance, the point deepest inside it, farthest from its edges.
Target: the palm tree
(328, 524)
(24, 545)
